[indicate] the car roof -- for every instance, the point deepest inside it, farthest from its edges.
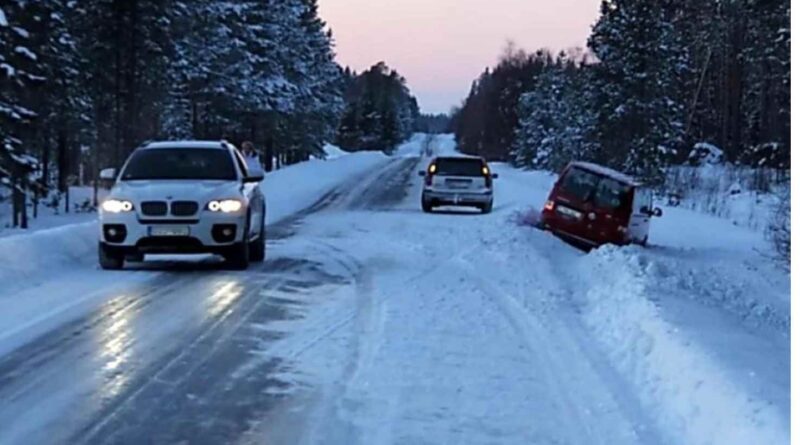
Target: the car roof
(218, 145)
(459, 158)
(608, 172)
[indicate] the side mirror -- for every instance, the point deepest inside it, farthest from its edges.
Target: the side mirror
(657, 212)
(256, 176)
(108, 174)
(422, 172)
(644, 210)
(495, 176)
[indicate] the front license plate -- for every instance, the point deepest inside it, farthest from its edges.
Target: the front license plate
(169, 231)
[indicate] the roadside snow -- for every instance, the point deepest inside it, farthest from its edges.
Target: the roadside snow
(333, 151)
(683, 342)
(299, 186)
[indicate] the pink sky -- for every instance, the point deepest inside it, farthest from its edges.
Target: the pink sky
(440, 46)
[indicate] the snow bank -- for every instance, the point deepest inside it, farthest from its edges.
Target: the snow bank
(414, 146)
(333, 151)
(299, 186)
(694, 396)
(45, 253)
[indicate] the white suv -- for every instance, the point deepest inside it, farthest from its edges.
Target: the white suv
(183, 197)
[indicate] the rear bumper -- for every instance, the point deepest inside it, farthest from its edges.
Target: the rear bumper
(438, 197)
(578, 234)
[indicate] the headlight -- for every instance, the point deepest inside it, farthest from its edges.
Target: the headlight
(117, 206)
(225, 206)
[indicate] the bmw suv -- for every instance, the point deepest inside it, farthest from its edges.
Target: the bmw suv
(183, 197)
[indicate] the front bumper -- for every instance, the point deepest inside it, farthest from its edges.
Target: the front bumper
(207, 232)
(450, 197)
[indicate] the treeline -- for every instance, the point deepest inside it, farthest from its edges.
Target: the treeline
(380, 111)
(661, 76)
(82, 83)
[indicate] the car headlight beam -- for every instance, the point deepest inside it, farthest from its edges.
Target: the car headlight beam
(117, 206)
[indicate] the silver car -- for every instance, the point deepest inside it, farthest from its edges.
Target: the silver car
(458, 181)
(183, 197)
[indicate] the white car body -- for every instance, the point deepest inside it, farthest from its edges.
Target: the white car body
(169, 215)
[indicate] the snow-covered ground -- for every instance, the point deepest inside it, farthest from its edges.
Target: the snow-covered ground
(460, 328)
(378, 324)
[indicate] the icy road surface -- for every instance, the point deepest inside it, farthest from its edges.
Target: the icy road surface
(373, 323)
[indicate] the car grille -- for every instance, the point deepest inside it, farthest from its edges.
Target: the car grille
(154, 208)
(184, 208)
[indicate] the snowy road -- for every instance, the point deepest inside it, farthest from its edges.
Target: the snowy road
(373, 323)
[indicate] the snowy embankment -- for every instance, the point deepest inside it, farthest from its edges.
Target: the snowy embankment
(698, 323)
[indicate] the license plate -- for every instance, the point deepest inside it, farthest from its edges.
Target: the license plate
(458, 184)
(169, 231)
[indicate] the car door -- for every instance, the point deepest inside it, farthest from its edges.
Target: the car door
(640, 214)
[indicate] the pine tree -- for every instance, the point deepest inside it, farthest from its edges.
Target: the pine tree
(642, 60)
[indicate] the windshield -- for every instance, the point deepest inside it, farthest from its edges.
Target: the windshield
(459, 167)
(601, 191)
(180, 163)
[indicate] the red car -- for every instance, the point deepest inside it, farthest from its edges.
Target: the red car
(593, 205)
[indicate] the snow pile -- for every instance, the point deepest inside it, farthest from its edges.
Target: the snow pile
(299, 186)
(333, 151)
(704, 153)
(40, 255)
(695, 398)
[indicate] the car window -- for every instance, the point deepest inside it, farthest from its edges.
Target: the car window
(459, 167)
(601, 191)
(180, 163)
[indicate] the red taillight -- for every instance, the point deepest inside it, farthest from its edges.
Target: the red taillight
(429, 176)
(549, 205)
(487, 176)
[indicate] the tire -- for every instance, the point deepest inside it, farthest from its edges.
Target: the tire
(427, 206)
(108, 259)
(487, 208)
(258, 247)
(238, 257)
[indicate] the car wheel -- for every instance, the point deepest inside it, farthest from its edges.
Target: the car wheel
(427, 206)
(108, 259)
(644, 241)
(487, 208)
(258, 247)
(238, 255)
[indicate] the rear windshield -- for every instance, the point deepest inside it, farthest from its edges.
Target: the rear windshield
(180, 163)
(459, 167)
(601, 191)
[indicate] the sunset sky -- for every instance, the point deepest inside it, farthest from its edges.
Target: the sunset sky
(440, 46)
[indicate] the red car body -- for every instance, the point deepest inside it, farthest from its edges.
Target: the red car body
(593, 205)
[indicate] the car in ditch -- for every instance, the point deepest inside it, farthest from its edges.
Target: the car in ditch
(183, 197)
(593, 205)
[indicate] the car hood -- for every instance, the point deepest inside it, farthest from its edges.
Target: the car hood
(162, 190)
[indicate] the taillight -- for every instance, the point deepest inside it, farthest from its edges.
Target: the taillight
(487, 176)
(429, 176)
(549, 205)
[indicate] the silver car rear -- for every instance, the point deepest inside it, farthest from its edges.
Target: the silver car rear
(458, 181)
